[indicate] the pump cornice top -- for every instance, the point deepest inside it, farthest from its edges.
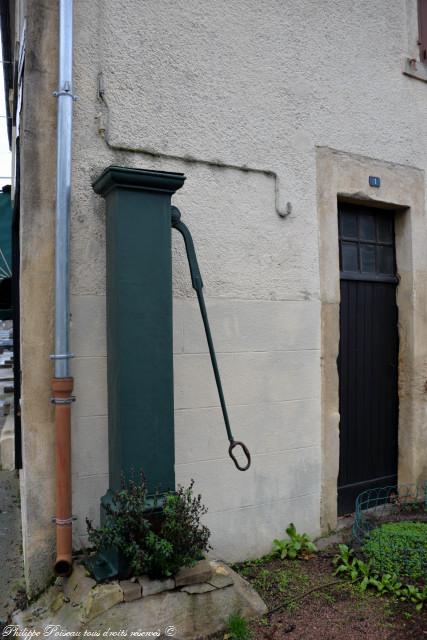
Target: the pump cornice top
(145, 179)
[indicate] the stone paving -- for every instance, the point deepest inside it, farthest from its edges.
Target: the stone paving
(11, 565)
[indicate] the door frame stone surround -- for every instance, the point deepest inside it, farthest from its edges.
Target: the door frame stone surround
(345, 177)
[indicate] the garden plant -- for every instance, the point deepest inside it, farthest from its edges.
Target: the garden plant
(298, 545)
(365, 574)
(178, 540)
(398, 548)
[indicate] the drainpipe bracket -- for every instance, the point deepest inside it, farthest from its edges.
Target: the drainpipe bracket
(65, 91)
(63, 522)
(61, 356)
(69, 400)
(57, 94)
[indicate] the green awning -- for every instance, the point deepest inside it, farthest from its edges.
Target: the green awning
(5, 253)
(5, 233)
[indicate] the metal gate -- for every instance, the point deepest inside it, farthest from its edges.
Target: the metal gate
(368, 355)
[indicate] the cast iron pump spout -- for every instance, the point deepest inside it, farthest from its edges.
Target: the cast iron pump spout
(197, 283)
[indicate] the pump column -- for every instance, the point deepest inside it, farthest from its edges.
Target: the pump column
(139, 323)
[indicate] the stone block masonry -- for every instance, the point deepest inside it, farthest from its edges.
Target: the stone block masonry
(199, 600)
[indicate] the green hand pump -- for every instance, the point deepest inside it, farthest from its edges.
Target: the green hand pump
(139, 220)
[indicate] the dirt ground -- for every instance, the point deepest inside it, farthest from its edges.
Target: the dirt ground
(338, 612)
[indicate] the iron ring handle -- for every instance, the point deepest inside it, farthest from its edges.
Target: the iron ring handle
(236, 443)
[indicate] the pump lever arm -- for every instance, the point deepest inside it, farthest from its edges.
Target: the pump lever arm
(197, 282)
(196, 276)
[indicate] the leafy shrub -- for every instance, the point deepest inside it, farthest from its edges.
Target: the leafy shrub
(298, 545)
(398, 548)
(182, 528)
(179, 541)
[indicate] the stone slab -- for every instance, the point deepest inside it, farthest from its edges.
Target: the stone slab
(152, 587)
(221, 575)
(200, 572)
(132, 590)
(78, 586)
(220, 582)
(100, 599)
(203, 587)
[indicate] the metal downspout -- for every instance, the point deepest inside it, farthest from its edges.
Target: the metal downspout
(62, 383)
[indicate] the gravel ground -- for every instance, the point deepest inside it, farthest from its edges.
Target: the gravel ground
(11, 565)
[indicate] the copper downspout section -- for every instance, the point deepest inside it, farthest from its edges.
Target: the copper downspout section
(61, 391)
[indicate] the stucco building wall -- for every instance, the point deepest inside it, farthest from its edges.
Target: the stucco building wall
(238, 96)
